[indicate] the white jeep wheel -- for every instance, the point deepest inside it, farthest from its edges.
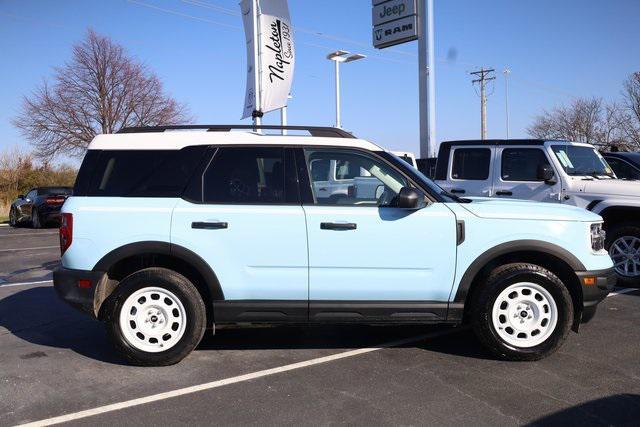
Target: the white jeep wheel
(524, 315)
(152, 319)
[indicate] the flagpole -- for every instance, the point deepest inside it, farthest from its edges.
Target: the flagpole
(257, 114)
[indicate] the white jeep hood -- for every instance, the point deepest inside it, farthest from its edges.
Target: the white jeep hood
(485, 207)
(613, 187)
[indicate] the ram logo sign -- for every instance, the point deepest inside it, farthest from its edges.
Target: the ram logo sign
(395, 32)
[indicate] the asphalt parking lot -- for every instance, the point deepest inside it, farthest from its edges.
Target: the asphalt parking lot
(55, 362)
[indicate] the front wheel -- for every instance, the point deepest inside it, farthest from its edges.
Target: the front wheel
(522, 312)
(13, 217)
(623, 243)
(155, 317)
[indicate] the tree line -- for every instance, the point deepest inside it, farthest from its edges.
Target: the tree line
(608, 125)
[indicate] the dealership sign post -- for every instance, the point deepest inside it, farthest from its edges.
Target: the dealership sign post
(270, 56)
(400, 21)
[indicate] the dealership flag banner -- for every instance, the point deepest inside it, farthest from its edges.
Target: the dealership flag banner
(270, 54)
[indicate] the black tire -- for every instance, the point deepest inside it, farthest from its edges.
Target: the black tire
(486, 293)
(182, 289)
(13, 217)
(613, 234)
(35, 219)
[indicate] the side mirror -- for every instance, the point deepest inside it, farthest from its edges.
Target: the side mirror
(546, 174)
(410, 198)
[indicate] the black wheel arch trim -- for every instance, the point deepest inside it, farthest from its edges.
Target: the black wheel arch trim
(164, 248)
(506, 248)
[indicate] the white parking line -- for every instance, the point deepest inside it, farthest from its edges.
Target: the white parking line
(233, 380)
(621, 291)
(39, 282)
(29, 249)
(49, 233)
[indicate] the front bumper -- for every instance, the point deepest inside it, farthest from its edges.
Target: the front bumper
(596, 285)
(84, 290)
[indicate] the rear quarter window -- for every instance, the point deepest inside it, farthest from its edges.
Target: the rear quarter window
(137, 173)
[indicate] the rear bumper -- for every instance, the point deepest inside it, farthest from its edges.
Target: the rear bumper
(603, 283)
(84, 290)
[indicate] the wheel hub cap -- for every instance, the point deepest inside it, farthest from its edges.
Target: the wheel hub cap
(524, 315)
(625, 253)
(152, 319)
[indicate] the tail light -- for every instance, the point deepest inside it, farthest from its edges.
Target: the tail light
(54, 200)
(66, 232)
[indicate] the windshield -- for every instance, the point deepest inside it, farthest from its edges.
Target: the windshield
(579, 160)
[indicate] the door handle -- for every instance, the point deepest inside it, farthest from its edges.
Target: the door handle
(338, 226)
(203, 225)
(504, 193)
(322, 189)
(458, 191)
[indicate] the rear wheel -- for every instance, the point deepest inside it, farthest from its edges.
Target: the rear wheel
(522, 312)
(623, 243)
(35, 219)
(156, 317)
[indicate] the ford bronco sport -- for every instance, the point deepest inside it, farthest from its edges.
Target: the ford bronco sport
(170, 232)
(564, 172)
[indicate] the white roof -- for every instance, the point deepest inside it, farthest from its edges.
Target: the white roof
(175, 140)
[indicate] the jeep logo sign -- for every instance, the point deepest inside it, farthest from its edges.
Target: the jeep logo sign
(392, 10)
(395, 32)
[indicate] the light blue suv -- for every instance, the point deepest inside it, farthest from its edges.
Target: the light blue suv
(173, 230)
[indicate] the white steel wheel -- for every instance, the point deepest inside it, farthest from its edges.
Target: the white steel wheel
(524, 315)
(153, 319)
(625, 253)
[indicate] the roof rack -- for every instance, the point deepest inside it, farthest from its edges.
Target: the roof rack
(317, 131)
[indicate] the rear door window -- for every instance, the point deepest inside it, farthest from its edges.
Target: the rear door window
(471, 164)
(248, 175)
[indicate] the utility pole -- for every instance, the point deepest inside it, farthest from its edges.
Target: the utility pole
(506, 73)
(483, 78)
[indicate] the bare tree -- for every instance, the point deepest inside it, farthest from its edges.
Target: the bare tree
(101, 90)
(631, 102)
(584, 120)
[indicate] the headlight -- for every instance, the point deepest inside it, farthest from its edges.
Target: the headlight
(598, 236)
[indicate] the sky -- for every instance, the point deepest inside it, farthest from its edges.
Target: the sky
(555, 50)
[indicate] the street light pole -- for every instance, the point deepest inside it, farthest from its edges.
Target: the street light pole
(339, 57)
(506, 73)
(283, 117)
(337, 65)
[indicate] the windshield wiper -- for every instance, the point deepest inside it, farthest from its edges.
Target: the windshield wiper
(454, 197)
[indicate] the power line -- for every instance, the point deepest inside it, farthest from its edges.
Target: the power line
(483, 77)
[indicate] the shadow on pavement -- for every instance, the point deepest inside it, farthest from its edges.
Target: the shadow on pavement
(457, 342)
(38, 316)
(616, 410)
